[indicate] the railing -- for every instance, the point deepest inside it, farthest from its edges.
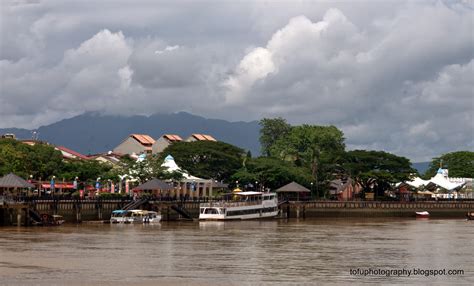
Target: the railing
(388, 204)
(232, 204)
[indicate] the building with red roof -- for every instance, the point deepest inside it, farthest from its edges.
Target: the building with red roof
(135, 144)
(164, 141)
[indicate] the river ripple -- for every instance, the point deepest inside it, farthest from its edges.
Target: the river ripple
(279, 252)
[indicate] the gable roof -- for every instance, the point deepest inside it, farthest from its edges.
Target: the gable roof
(72, 152)
(293, 187)
(172, 137)
(203, 137)
(143, 139)
(13, 181)
(154, 184)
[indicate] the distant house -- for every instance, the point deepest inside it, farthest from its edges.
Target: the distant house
(164, 141)
(8, 136)
(135, 144)
(107, 158)
(344, 189)
(200, 137)
(70, 154)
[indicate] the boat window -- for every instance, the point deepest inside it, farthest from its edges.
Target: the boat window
(211, 211)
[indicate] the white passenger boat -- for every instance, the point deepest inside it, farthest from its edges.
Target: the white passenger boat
(245, 205)
(118, 216)
(142, 216)
(152, 217)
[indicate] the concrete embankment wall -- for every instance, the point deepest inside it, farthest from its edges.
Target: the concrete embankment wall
(443, 209)
(84, 210)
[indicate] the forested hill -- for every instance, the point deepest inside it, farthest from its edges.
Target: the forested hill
(92, 133)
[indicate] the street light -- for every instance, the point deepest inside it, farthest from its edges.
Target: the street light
(312, 194)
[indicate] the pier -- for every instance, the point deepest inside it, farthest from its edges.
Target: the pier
(23, 213)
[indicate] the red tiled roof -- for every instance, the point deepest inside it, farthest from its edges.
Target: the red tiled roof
(74, 153)
(172, 137)
(144, 139)
(209, 137)
(203, 137)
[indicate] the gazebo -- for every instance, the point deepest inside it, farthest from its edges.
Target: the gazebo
(293, 191)
(154, 185)
(13, 182)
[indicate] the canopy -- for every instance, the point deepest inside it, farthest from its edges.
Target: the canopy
(154, 184)
(441, 181)
(293, 187)
(418, 182)
(13, 181)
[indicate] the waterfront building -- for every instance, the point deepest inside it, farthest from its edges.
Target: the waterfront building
(135, 144)
(164, 141)
(293, 192)
(344, 189)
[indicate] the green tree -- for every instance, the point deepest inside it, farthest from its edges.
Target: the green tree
(40, 160)
(272, 129)
(460, 164)
(318, 148)
(271, 173)
(377, 170)
(206, 159)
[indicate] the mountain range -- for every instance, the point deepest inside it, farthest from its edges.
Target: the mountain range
(92, 133)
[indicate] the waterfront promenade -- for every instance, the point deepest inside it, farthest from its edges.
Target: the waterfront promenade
(79, 210)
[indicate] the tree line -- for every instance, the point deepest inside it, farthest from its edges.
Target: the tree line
(311, 155)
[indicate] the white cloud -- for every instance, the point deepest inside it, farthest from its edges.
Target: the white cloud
(395, 75)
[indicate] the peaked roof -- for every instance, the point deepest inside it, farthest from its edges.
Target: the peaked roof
(13, 181)
(154, 184)
(170, 165)
(143, 139)
(203, 137)
(293, 187)
(72, 152)
(441, 181)
(172, 137)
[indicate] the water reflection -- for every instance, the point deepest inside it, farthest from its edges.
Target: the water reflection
(295, 252)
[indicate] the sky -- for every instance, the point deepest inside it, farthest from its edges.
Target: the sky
(392, 75)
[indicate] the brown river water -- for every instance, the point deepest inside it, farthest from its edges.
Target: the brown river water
(274, 252)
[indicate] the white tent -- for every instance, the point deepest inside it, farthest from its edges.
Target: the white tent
(418, 182)
(170, 165)
(441, 181)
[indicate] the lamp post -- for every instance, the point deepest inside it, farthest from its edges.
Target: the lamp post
(31, 181)
(97, 186)
(51, 186)
(312, 194)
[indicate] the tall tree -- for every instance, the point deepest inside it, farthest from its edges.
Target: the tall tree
(271, 173)
(318, 148)
(376, 170)
(272, 129)
(207, 159)
(459, 164)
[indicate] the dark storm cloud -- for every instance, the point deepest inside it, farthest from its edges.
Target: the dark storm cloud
(395, 76)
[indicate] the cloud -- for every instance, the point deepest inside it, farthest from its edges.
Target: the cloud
(394, 76)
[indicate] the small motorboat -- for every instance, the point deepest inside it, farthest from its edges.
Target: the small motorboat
(48, 219)
(423, 214)
(470, 215)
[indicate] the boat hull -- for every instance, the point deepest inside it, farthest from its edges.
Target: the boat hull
(424, 214)
(470, 215)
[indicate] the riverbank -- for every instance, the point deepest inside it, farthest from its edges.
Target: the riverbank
(76, 211)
